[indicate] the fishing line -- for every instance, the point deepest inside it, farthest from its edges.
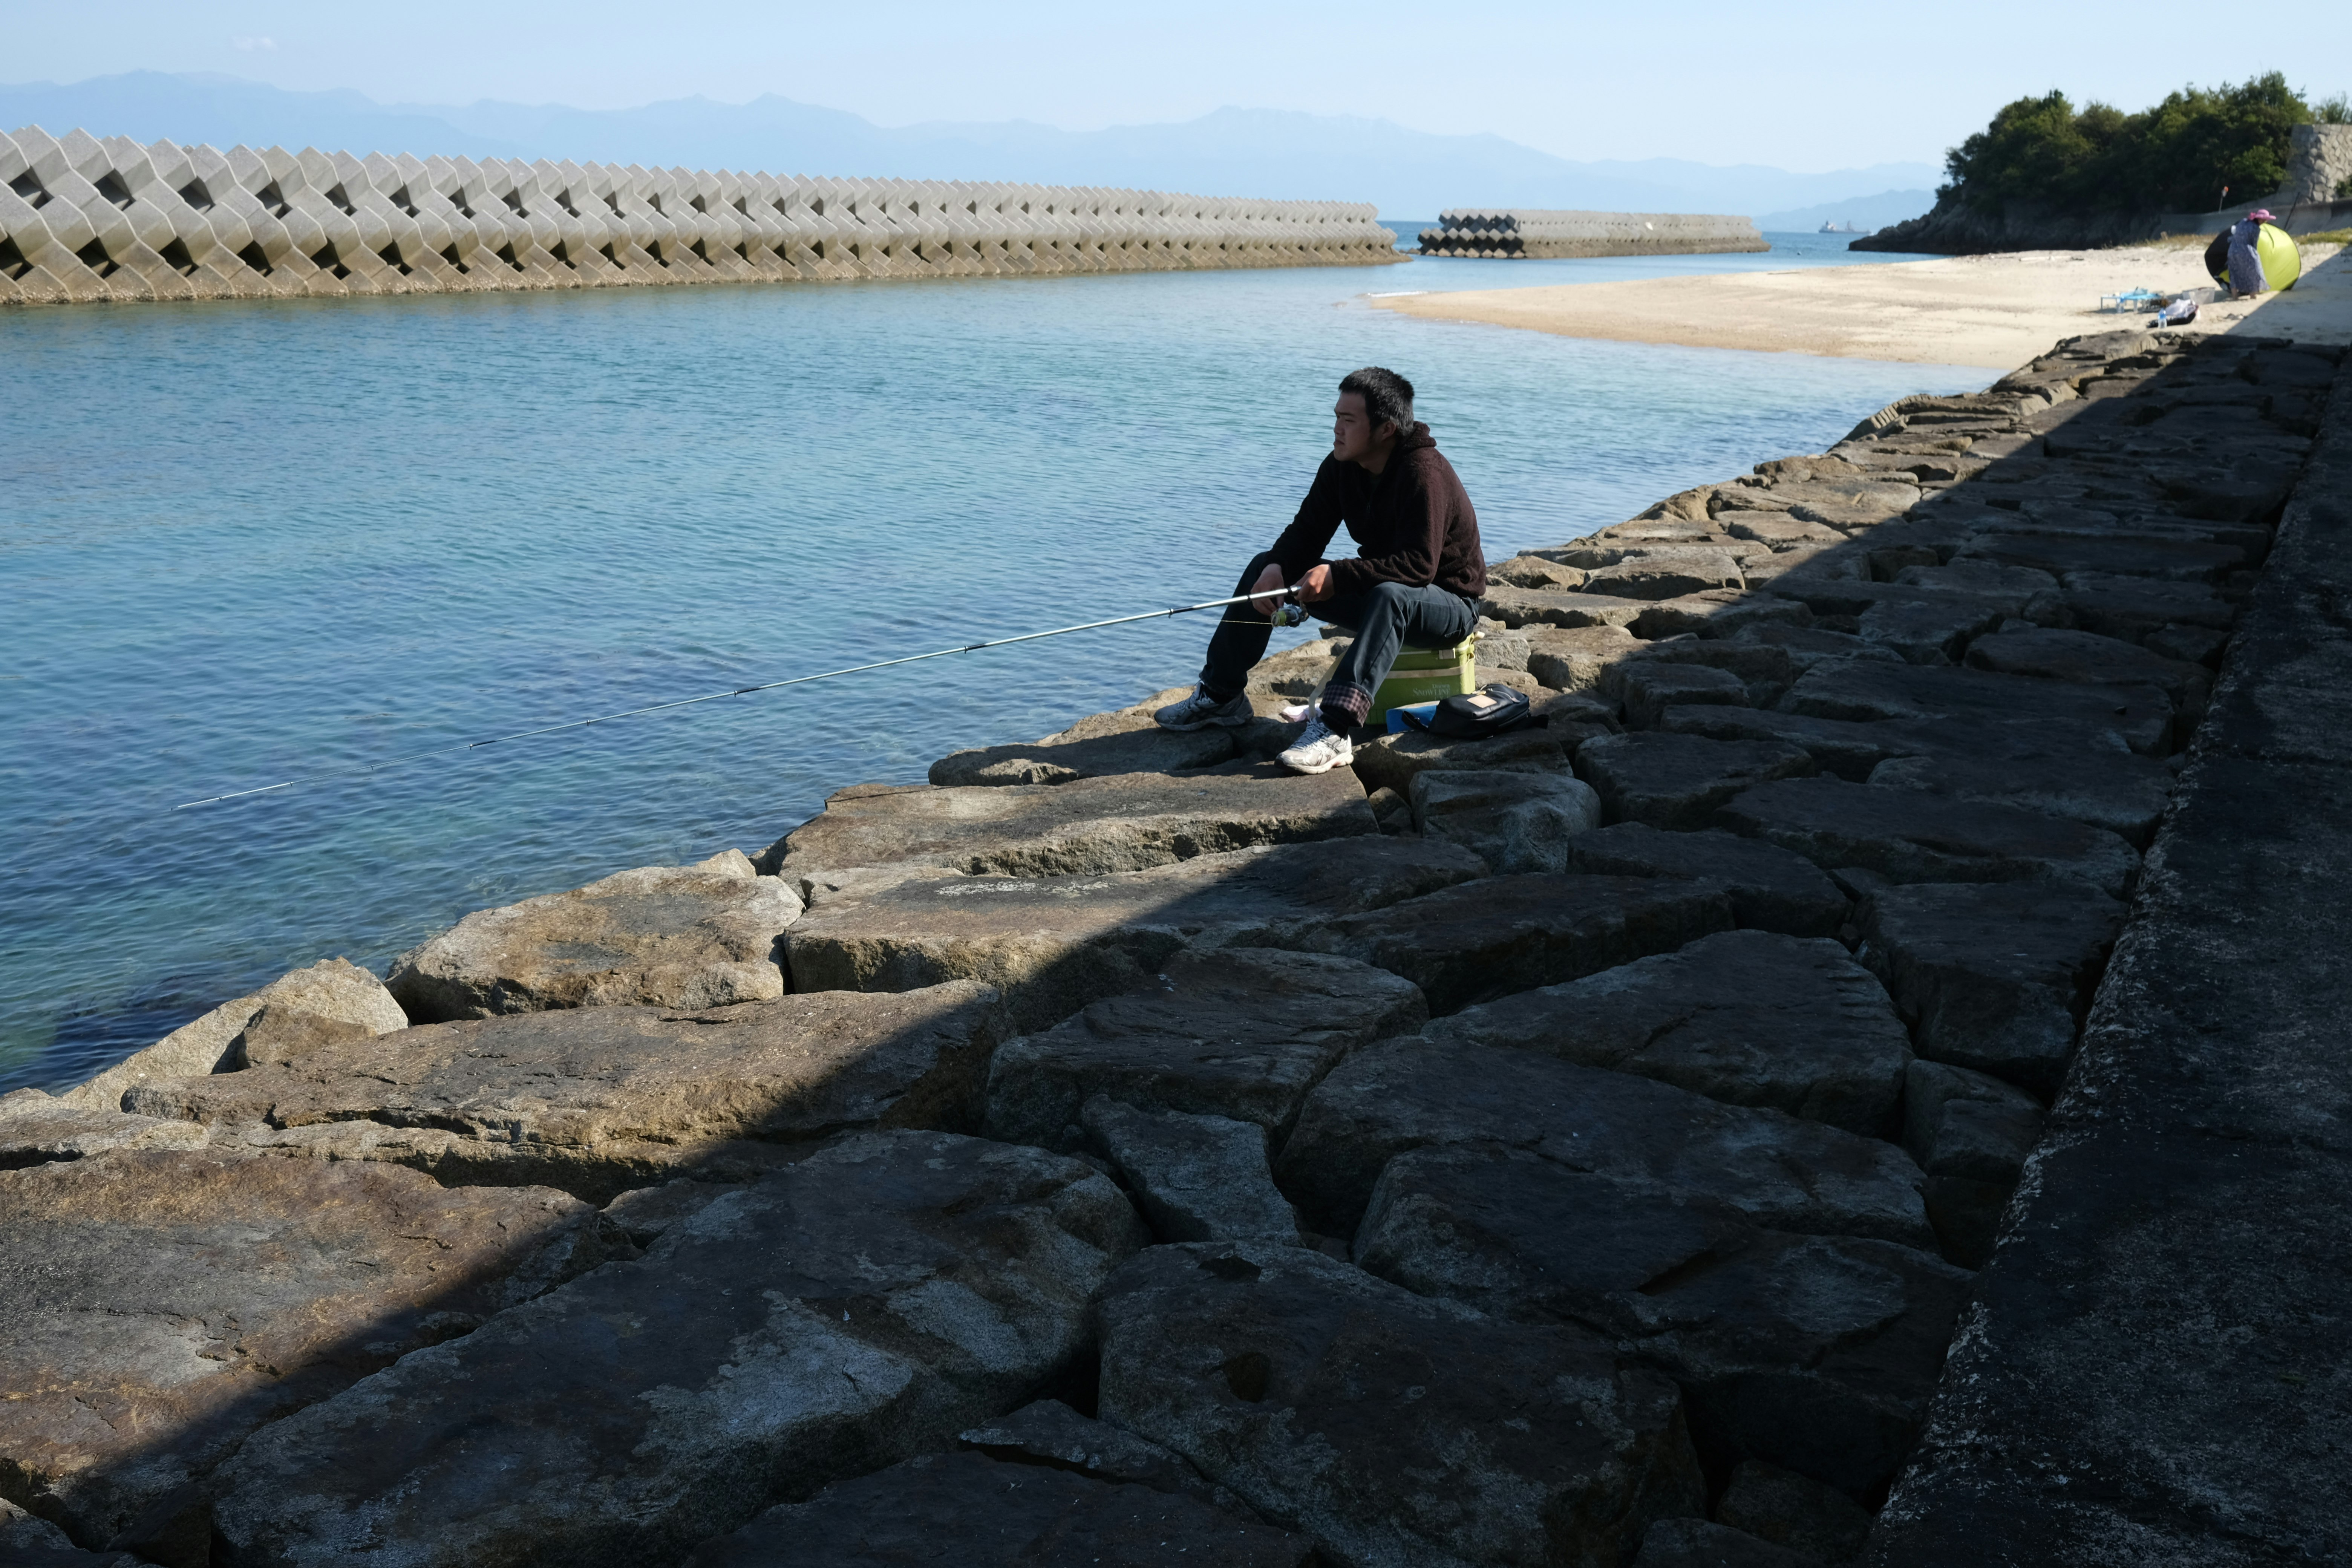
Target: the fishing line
(714, 696)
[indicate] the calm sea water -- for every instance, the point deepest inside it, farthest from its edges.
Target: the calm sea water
(243, 543)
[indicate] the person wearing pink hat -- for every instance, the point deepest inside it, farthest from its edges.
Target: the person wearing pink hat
(2245, 264)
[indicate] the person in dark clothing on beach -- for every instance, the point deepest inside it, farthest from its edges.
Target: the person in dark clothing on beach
(1415, 581)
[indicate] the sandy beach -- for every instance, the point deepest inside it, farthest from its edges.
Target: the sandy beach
(1992, 311)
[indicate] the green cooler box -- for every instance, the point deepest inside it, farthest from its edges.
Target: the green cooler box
(1425, 675)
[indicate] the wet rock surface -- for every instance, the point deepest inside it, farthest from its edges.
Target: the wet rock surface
(1365, 1416)
(165, 1304)
(830, 1320)
(601, 1098)
(1053, 944)
(1126, 822)
(662, 936)
(1745, 1018)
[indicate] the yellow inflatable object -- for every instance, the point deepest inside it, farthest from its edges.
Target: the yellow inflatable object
(2273, 248)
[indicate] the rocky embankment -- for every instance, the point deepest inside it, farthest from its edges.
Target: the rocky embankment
(1575, 1147)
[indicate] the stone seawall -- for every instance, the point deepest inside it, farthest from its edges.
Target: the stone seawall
(1577, 1146)
(2153, 1372)
(83, 219)
(1529, 231)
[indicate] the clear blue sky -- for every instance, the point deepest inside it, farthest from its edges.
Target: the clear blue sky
(1809, 86)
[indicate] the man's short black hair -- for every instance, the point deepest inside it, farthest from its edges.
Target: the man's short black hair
(1388, 397)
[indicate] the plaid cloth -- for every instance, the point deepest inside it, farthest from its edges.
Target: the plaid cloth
(1345, 701)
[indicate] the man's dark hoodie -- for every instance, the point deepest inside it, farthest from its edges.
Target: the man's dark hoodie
(1412, 523)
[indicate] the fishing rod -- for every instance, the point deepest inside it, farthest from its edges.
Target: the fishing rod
(1288, 614)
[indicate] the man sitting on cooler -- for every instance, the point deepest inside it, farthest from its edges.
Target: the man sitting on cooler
(1415, 580)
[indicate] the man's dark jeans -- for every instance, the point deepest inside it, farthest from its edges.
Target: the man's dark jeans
(1385, 618)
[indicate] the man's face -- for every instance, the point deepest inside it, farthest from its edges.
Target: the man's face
(1351, 429)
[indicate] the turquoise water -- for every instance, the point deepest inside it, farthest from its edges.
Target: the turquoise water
(241, 543)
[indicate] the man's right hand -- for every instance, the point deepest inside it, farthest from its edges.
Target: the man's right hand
(1266, 594)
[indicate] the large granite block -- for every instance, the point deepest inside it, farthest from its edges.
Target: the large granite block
(1476, 941)
(1369, 1416)
(1993, 977)
(831, 1319)
(1863, 690)
(1904, 836)
(1745, 1018)
(1817, 1353)
(687, 937)
(1236, 1033)
(1784, 1174)
(1127, 740)
(1676, 781)
(1055, 943)
(1126, 822)
(597, 1100)
(164, 1305)
(1770, 889)
(986, 1514)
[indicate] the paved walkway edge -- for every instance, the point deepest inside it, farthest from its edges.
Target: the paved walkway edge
(2155, 1370)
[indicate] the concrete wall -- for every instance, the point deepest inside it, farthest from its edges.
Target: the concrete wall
(1529, 232)
(85, 219)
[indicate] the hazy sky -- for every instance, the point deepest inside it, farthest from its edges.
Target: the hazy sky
(1813, 85)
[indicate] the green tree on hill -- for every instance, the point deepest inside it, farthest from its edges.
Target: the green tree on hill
(2177, 156)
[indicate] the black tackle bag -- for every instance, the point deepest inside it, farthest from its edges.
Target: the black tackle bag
(1474, 715)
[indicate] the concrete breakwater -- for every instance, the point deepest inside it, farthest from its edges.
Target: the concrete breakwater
(1531, 232)
(1577, 1146)
(83, 219)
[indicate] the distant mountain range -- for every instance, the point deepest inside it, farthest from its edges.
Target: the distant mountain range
(1232, 152)
(1858, 213)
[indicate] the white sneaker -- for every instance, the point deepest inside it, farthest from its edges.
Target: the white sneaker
(1200, 710)
(1317, 750)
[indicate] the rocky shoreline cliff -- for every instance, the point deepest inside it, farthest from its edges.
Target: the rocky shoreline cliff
(1579, 1146)
(2319, 182)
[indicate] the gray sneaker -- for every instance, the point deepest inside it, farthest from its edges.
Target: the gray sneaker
(1317, 750)
(1199, 712)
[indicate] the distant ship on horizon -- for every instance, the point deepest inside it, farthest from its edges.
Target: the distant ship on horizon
(1843, 228)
